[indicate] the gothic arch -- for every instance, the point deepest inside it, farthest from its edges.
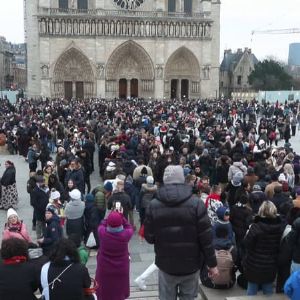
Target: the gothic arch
(129, 60)
(182, 63)
(73, 66)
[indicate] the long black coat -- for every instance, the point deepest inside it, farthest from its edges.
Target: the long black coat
(18, 281)
(262, 244)
(9, 176)
(178, 225)
(39, 200)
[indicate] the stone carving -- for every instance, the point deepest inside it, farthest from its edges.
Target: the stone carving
(45, 71)
(100, 71)
(134, 28)
(206, 72)
(159, 71)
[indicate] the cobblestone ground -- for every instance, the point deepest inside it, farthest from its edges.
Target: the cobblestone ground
(142, 254)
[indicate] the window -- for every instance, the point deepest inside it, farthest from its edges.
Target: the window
(188, 6)
(63, 4)
(82, 4)
(239, 80)
(171, 5)
(222, 84)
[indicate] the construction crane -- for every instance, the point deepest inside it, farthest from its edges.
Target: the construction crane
(276, 31)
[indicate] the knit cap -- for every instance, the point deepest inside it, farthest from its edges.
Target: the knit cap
(237, 179)
(108, 186)
(89, 197)
(173, 175)
(114, 219)
(256, 188)
(150, 180)
(75, 194)
(11, 212)
(52, 209)
(281, 177)
(54, 195)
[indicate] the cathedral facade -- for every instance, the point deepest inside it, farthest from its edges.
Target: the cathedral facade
(123, 48)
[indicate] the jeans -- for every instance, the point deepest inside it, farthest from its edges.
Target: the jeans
(294, 267)
(185, 287)
(252, 288)
(40, 226)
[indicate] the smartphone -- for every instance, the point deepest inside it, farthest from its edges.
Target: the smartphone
(118, 205)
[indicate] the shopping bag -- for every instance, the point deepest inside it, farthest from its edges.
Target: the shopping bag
(91, 242)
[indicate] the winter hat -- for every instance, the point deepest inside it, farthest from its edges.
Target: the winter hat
(187, 170)
(54, 195)
(89, 198)
(173, 175)
(114, 219)
(205, 151)
(75, 194)
(51, 209)
(108, 186)
(111, 166)
(281, 177)
(222, 211)
(261, 142)
(256, 188)
(150, 180)
(237, 179)
(11, 212)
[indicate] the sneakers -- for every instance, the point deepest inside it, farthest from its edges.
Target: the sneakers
(140, 282)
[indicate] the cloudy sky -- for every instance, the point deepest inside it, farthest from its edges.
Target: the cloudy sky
(238, 19)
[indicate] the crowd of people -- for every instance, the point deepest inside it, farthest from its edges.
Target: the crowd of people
(215, 185)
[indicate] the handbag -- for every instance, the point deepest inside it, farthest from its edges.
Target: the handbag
(90, 293)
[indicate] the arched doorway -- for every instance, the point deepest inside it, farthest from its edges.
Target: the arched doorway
(182, 72)
(123, 88)
(131, 62)
(73, 76)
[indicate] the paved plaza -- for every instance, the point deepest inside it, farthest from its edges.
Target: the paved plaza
(142, 254)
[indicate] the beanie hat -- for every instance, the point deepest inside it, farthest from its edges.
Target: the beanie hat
(256, 188)
(173, 175)
(222, 211)
(89, 198)
(52, 209)
(150, 180)
(54, 195)
(75, 194)
(11, 212)
(111, 166)
(237, 179)
(114, 219)
(281, 177)
(108, 186)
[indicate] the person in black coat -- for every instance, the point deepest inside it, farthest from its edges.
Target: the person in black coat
(262, 244)
(39, 201)
(256, 198)
(52, 232)
(75, 278)
(18, 278)
(178, 225)
(75, 172)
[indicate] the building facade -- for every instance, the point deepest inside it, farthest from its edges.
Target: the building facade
(234, 71)
(6, 59)
(123, 48)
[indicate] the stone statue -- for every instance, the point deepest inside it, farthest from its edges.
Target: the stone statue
(45, 71)
(100, 70)
(159, 71)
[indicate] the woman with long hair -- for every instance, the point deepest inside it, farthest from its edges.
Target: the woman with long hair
(64, 277)
(9, 193)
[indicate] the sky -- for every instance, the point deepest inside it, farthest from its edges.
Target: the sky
(238, 19)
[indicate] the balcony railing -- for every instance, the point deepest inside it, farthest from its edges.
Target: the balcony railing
(122, 13)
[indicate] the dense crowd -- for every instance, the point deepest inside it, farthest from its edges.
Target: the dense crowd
(214, 191)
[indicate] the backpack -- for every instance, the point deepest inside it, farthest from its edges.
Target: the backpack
(225, 265)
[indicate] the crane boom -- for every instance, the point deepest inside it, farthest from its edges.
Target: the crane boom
(277, 31)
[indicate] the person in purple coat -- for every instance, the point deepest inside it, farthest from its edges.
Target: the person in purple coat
(112, 272)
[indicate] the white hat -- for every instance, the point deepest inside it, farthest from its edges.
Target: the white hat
(75, 194)
(11, 212)
(150, 180)
(281, 177)
(261, 142)
(54, 195)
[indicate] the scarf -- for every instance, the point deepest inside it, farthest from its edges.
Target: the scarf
(15, 227)
(14, 260)
(114, 229)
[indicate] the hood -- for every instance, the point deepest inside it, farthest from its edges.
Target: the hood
(75, 202)
(269, 225)
(238, 164)
(174, 194)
